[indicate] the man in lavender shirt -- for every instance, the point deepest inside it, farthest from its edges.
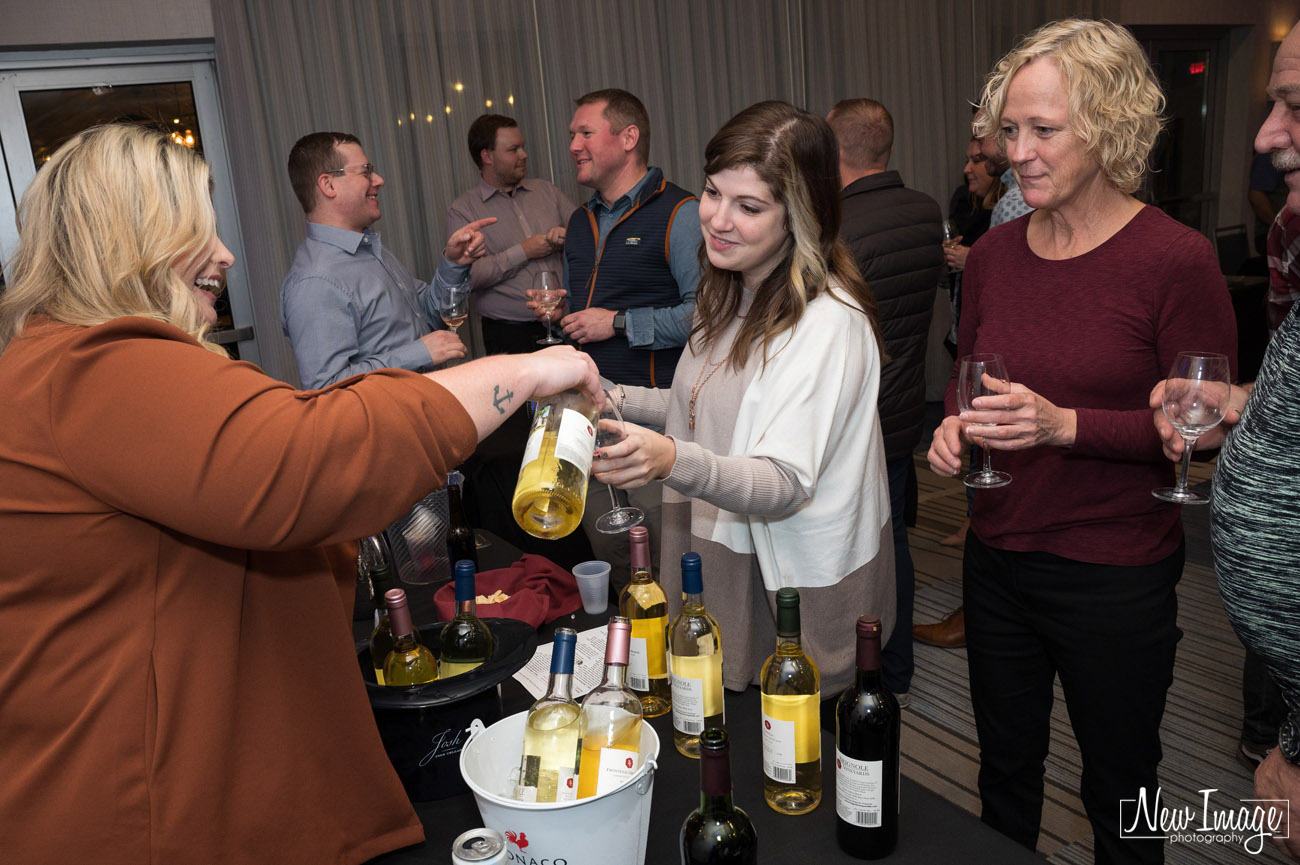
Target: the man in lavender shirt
(528, 236)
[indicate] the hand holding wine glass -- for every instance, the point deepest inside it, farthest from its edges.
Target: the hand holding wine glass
(548, 297)
(982, 375)
(622, 517)
(1196, 396)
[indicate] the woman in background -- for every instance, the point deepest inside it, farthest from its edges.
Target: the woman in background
(1071, 569)
(772, 461)
(177, 669)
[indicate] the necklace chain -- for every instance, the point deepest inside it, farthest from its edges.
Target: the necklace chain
(699, 384)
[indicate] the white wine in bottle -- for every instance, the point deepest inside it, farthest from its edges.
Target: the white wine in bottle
(465, 643)
(644, 604)
(791, 697)
(694, 664)
(410, 662)
(548, 770)
(552, 488)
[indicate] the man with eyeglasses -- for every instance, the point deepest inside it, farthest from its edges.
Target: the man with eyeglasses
(527, 238)
(348, 305)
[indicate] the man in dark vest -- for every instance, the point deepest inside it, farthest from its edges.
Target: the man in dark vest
(631, 254)
(631, 266)
(896, 236)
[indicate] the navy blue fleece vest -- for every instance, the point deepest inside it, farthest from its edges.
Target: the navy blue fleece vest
(629, 270)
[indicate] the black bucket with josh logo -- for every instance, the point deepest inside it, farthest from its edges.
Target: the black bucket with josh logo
(425, 727)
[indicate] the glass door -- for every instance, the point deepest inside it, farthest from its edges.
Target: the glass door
(44, 103)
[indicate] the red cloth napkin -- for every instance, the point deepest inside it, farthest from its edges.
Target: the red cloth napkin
(540, 591)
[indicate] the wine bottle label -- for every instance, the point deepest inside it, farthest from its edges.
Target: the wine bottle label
(778, 749)
(859, 790)
(567, 788)
(638, 667)
(688, 701)
(576, 441)
(616, 766)
(792, 723)
(697, 691)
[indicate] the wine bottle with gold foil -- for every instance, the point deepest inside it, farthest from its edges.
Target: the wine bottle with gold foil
(791, 701)
(694, 663)
(552, 488)
(465, 642)
(644, 604)
(410, 662)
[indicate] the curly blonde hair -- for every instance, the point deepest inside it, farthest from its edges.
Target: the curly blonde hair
(102, 230)
(1115, 99)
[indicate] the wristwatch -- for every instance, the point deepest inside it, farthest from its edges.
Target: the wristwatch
(620, 323)
(1288, 739)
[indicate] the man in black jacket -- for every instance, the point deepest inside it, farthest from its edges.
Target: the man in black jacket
(896, 235)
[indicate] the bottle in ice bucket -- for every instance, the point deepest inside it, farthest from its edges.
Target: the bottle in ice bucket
(466, 642)
(791, 699)
(460, 535)
(552, 487)
(410, 662)
(694, 663)
(611, 721)
(717, 832)
(548, 771)
(379, 572)
(866, 756)
(644, 604)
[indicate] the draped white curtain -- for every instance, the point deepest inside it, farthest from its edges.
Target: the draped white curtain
(388, 71)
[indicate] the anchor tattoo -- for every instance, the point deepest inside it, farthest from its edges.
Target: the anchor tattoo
(498, 398)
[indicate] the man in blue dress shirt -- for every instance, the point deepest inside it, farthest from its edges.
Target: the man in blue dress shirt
(348, 305)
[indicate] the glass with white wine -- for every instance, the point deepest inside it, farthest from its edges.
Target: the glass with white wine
(547, 295)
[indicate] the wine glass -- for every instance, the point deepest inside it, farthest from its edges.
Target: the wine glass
(546, 288)
(455, 308)
(951, 237)
(1196, 396)
(622, 517)
(982, 375)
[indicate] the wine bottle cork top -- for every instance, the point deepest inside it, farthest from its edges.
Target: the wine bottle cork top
(617, 640)
(692, 576)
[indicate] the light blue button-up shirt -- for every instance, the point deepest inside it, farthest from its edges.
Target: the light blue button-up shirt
(348, 306)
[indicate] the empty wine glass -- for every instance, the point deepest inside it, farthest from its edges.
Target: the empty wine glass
(1196, 396)
(546, 287)
(982, 375)
(622, 517)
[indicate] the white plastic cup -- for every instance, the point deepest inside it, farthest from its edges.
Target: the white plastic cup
(593, 585)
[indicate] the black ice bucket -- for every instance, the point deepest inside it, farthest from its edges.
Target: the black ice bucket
(424, 727)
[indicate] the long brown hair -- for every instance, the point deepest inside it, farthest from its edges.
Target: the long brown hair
(794, 153)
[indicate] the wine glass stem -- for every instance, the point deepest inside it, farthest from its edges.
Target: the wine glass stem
(548, 325)
(1188, 444)
(613, 496)
(988, 456)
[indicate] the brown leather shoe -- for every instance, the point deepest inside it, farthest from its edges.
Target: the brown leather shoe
(947, 634)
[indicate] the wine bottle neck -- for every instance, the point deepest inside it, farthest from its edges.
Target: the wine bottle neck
(560, 687)
(721, 803)
(868, 680)
(467, 609)
(693, 600)
(642, 575)
(616, 676)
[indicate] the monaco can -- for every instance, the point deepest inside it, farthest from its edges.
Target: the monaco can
(479, 847)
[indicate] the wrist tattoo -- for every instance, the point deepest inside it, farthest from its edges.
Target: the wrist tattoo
(498, 398)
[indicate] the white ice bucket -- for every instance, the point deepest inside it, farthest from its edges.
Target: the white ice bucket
(607, 829)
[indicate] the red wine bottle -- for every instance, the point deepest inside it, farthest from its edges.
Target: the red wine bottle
(717, 832)
(867, 756)
(460, 535)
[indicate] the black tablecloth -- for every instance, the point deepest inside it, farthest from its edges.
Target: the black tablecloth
(933, 830)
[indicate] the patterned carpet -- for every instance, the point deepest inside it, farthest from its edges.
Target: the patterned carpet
(1202, 720)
